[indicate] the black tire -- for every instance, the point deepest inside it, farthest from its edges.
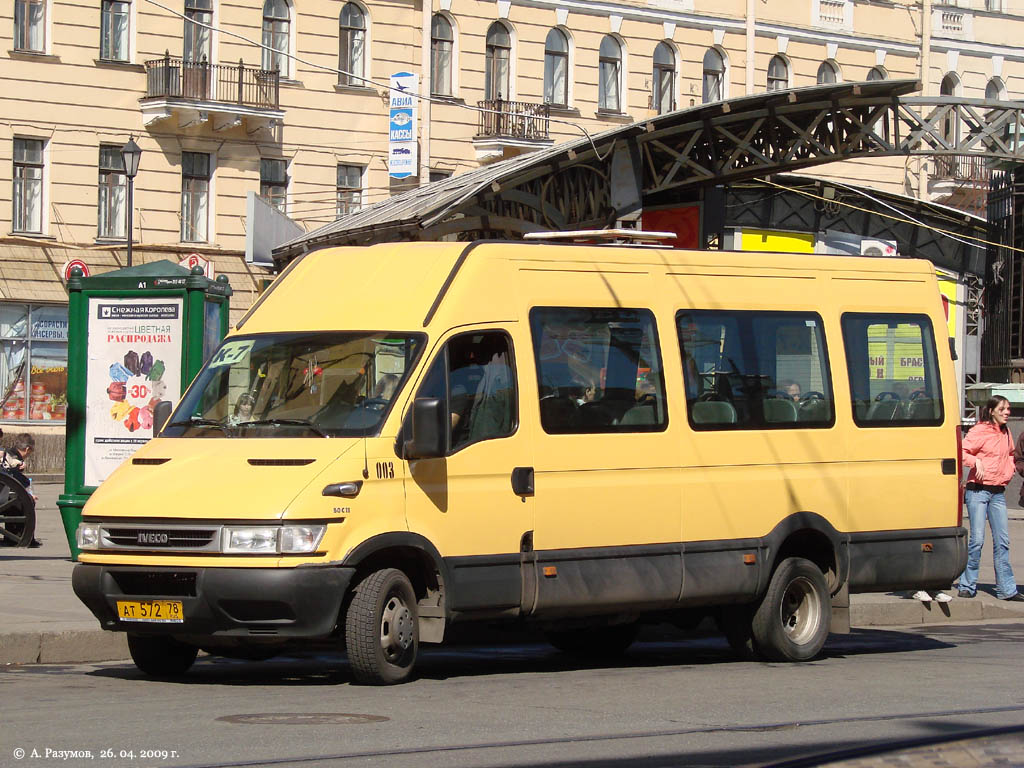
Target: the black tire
(382, 629)
(594, 642)
(161, 657)
(735, 622)
(17, 514)
(793, 619)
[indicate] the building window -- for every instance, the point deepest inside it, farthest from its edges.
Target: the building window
(894, 377)
(609, 78)
(27, 214)
(714, 77)
(755, 370)
(778, 74)
(439, 175)
(195, 197)
(113, 186)
(878, 73)
(828, 73)
(664, 79)
(950, 127)
(350, 189)
(274, 182)
(114, 19)
(496, 67)
(995, 90)
(351, 42)
(30, 25)
(196, 47)
(33, 361)
(556, 68)
(276, 33)
(442, 42)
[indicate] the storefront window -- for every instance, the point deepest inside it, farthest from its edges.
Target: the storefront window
(33, 362)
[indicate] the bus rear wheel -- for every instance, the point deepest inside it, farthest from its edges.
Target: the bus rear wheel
(161, 656)
(382, 628)
(793, 619)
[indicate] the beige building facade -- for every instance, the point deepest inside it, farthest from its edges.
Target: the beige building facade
(289, 99)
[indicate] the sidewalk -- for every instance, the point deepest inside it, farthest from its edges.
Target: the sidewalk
(41, 620)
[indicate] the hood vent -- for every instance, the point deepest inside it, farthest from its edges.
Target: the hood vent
(149, 462)
(280, 462)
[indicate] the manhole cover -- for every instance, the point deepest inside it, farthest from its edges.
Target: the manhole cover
(303, 718)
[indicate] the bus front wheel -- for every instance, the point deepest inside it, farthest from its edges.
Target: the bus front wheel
(793, 619)
(382, 628)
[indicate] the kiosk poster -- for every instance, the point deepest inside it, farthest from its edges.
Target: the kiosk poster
(133, 377)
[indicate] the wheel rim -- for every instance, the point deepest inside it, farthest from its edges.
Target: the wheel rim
(396, 628)
(800, 611)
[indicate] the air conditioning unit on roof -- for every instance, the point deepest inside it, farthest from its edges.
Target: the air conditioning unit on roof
(870, 247)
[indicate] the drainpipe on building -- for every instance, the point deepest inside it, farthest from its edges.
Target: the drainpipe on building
(751, 17)
(925, 77)
(425, 88)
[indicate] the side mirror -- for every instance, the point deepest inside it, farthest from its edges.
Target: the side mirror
(429, 429)
(161, 413)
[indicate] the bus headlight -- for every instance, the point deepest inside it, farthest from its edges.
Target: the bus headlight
(301, 538)
(88, 536)
(250, 541)
(267, 540)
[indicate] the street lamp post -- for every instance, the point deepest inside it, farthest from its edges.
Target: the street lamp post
(130, 154)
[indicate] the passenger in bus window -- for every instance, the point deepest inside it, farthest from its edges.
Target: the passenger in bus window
(988, 452)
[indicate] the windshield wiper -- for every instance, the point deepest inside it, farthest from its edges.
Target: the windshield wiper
(196, 421)
(285, 423)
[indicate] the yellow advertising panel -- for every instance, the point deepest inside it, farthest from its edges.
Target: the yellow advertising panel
(947, 287)
(773, 240)
(896, 352)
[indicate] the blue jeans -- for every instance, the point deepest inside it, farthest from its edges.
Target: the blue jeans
(982, 505)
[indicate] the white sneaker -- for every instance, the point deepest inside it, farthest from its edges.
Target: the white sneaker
(942, 597)
(923, 596)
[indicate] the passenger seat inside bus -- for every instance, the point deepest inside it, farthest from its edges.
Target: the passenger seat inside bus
(713, 412)
(778, 411)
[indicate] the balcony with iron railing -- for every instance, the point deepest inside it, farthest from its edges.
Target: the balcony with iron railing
(960, 181)
(507, 128)
(224, 94)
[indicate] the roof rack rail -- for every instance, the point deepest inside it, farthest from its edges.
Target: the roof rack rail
(604, 236)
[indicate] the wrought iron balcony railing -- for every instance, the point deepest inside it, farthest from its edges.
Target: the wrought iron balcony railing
(200, 81)
(970, 169)
(513, 120)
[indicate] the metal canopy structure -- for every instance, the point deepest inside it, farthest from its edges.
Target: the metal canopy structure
(593, 181)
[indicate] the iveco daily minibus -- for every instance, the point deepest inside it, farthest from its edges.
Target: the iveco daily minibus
(402, 437)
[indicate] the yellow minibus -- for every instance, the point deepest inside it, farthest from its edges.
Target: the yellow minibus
(579, 438)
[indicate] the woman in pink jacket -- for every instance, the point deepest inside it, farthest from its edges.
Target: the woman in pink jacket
(988, 451)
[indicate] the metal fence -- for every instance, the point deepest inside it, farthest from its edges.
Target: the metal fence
(513, 119)
(201, 81)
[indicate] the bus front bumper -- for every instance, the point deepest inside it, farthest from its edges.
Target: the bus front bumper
(303, 602)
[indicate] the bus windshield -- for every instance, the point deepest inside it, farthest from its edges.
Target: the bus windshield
(323, 384)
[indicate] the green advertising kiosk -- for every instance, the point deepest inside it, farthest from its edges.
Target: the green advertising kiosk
(136, 338)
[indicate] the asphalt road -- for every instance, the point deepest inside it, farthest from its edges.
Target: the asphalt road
(669, 701)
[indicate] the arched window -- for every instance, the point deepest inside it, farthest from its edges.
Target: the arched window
(714, 77)
(664, 78)
(276, 34)
(609, 79)
(556, 68)
(441, 43)
(828, 73)
(498, 61)
(351, 44)
(878, 73)
(778, 74)
(948, 87)
(995, 90)
(196, 47)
